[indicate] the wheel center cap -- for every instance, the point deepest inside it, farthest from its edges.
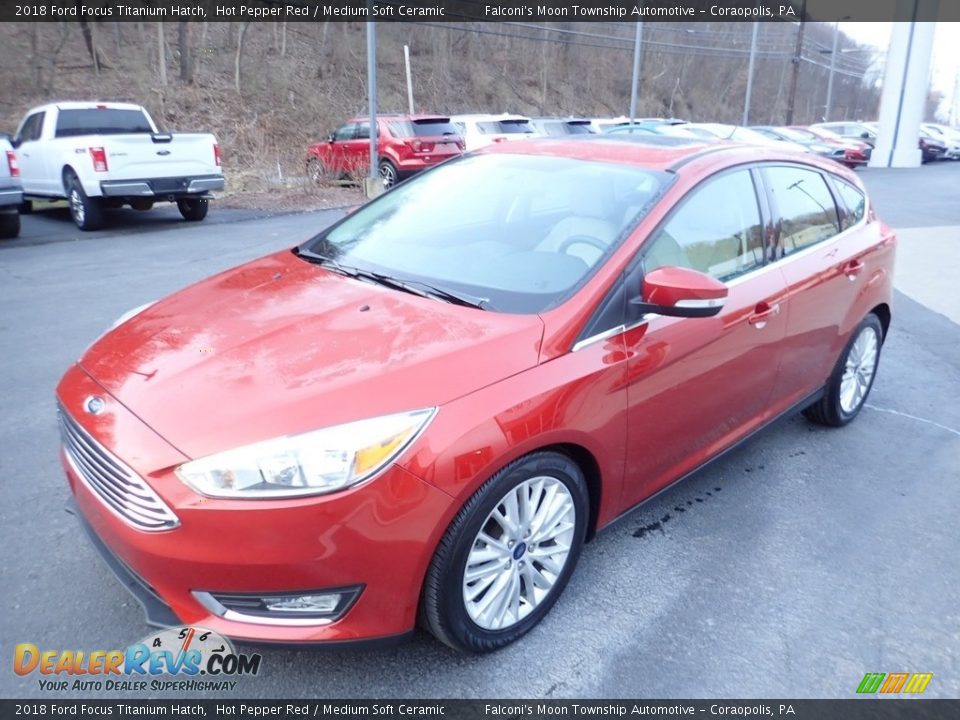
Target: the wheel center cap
(519, 550)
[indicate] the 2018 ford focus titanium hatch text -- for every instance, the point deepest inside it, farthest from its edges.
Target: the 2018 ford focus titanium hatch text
(421, 414)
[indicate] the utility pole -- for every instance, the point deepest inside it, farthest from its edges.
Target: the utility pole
(753, 55)
(797, 59)
(638, 39)
(833, 67)
(372, 93)
(406, 61)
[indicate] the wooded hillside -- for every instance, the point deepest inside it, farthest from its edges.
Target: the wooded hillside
(267, 89)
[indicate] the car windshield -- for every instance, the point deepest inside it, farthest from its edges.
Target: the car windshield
(427, 127)
(521, 232)
(101, 121)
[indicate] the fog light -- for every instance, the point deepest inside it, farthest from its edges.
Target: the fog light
(303, 607)
(320, 604)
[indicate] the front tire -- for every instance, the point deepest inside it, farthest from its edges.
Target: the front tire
(316, 171)
(87, 212)
(852, 378)
(193, 209)
(9, 224)
(508, 554)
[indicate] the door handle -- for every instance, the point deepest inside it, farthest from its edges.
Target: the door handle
(762, 313)
(852, 269)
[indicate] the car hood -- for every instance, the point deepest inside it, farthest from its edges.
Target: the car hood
(281, 346)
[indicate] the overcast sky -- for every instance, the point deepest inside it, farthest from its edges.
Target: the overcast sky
(946, 52)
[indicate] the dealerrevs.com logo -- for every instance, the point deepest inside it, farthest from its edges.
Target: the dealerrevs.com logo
(176, 659)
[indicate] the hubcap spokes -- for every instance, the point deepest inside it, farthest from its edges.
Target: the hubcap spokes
(76, 205)
(859, 369)
(519, 553)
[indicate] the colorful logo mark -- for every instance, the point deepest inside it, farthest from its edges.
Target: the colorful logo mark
(894, 683)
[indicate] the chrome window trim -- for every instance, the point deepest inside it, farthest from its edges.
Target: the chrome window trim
(809, 250)
(754, 272)
(619, 329)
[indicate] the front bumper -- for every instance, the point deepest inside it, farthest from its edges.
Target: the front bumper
(10, 196)
(380, 535)
(162, 187)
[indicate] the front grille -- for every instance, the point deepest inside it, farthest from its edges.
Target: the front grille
(119, 487)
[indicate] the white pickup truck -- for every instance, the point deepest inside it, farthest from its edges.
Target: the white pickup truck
(106, 155)
(10, 193)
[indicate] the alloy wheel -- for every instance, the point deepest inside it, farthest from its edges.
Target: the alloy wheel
(519, 553)
(858, 371)
(76, 206)
(388, 175)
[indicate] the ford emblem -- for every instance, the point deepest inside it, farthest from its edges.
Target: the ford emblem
(94, 405)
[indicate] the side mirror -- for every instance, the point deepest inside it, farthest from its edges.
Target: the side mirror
(865, 135)
(330, 138)
(680, 292)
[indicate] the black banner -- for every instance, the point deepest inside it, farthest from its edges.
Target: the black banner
(480, 10)
(854, 709)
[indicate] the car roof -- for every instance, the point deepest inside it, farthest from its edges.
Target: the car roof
(398, 116)
(87, 105)
(488, 116)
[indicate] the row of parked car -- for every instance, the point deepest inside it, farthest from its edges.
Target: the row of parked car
(410, 143)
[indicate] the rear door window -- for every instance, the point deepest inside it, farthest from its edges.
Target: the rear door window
(853, 201)
(717, 230)
(805, 207)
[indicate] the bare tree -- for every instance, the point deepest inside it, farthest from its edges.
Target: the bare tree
(236, 63)
(90, 39)
(161, 54)
(186, 60)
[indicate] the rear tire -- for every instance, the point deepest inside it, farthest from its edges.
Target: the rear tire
(193, 209)
(9, 224)
(508, 554)
(852, 378)
(388, 173)
(87, 212)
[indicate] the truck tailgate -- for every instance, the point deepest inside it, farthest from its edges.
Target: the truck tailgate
(133, 157)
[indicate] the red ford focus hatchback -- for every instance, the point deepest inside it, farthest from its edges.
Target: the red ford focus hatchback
(423, 412)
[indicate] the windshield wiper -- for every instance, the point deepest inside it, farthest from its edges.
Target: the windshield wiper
(330, 262)
(423, 289)
(414, 287)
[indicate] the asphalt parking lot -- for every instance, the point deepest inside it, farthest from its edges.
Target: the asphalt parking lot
(789, 568)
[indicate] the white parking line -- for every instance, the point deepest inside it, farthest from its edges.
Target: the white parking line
(913, 417)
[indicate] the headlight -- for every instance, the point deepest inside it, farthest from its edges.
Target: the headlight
(130, 314)
(121, 320)
(313, 463)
